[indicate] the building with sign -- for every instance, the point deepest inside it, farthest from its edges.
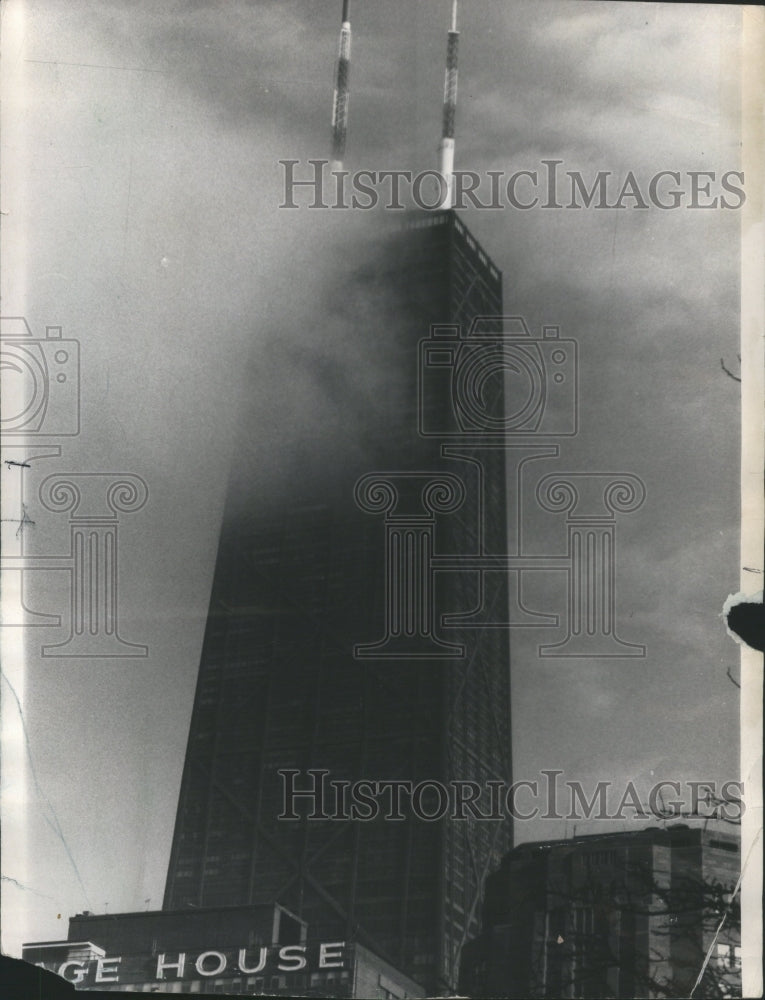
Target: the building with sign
(228, 950)
(612, 915)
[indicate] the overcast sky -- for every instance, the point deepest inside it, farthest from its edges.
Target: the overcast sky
(140, 192)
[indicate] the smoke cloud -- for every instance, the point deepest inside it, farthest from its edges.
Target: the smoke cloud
(324, 377)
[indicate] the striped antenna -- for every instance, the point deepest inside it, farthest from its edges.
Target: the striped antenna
(446, 149)
(341, 96)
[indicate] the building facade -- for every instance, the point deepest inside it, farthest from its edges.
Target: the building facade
(330, 659)
(617, 915)
(227, 950)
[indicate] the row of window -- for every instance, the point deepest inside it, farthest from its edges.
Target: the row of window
(249, 985)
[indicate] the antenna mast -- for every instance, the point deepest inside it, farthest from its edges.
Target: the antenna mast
(446, 149)
(341, 96)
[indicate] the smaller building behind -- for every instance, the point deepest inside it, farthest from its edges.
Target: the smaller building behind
(615, 915)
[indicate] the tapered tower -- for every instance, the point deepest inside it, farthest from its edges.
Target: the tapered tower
(340, 654)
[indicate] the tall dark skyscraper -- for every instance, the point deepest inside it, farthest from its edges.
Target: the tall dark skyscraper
(337, 642)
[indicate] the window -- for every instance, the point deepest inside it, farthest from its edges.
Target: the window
(729, 956)
(724, 845)
(584, 948)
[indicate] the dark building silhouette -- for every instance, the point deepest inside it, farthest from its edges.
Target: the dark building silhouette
(616, 915)
(327, 650)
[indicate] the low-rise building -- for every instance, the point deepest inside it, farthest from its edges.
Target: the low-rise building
(238, 950)
(616, 915)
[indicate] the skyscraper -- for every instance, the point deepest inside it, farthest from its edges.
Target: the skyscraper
(329, 652)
